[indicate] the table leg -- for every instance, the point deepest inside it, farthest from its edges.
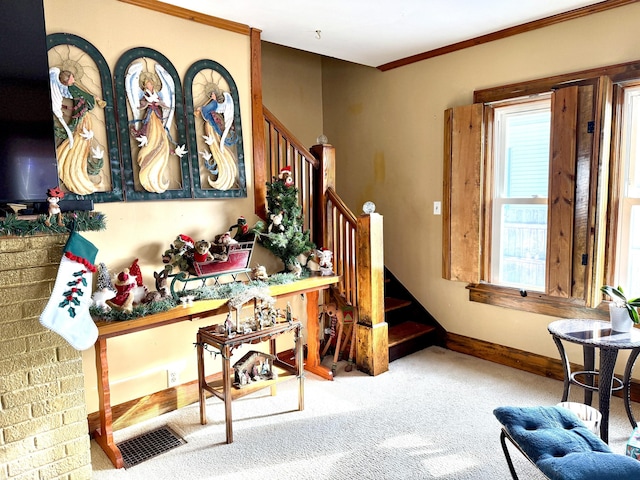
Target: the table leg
(226, 386)
(299, 367)
(566, 367)
(104, 435)
(273, 351)
(313, 341)
(588, 354)
(627, 385)
(202, 379)
(607, 364)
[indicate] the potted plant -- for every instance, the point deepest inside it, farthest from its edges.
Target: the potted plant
(622, 311)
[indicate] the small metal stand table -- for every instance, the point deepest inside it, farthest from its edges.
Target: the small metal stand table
(223, 388)
(592, 334)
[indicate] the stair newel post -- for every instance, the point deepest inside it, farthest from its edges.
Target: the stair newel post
(324, 178)
(372, 354)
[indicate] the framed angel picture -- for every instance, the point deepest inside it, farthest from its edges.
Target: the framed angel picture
(151, 124)
(215, 132)
(84, 120)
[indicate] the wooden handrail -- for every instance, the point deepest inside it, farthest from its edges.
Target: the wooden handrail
(341, 206)
(271, 120)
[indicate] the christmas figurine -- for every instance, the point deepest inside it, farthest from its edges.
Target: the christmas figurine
(124, 284)
(285, 176)
(242, 229)
(201, 252)
(54, 195)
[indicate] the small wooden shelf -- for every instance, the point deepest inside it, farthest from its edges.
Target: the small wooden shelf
(216, 387)
(223, 388)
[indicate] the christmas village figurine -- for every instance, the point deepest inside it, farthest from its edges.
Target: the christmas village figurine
(104, 288)
(54, 195)
(253, 367)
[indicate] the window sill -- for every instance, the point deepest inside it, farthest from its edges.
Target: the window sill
(534, 302)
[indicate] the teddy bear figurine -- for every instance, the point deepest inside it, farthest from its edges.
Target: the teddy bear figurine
(201, 252)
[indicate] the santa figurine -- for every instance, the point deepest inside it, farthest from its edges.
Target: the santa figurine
(124, 284)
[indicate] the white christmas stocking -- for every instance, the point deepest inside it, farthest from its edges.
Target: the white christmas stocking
(67, 312)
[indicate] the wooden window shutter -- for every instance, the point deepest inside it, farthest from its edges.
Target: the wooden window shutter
(562, 188)
(462, 193)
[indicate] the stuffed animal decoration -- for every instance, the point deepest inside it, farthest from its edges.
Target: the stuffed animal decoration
(201, 251)
(100, 298)
(259, 272)
(162, 290)
(180, 254)
(285, 176)
(276, 223)
(139, 291)
(325, 258)
(242, 232)
(295, 268)
(124, 284)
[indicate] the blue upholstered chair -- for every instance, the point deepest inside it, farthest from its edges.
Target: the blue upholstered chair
(556, 441)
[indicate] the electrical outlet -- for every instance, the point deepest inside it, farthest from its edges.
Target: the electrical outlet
(173, 377)
(437, 206)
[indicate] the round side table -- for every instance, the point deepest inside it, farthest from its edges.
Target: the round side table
(592, 335)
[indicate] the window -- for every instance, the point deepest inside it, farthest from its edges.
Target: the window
(542, 192)
(628, 246)
(521, 184)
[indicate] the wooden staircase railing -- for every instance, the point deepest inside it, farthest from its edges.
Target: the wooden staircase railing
(356, 242)
(283, 149)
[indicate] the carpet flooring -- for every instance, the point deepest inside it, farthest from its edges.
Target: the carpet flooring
(429, 417)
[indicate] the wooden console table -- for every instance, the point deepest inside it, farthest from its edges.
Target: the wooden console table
(310, 286)
(223, 388)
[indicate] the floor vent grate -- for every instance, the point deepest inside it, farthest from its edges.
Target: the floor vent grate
(148, 445)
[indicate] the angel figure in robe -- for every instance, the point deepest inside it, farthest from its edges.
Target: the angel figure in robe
(79, 155)
(219, 133)
(151, 97)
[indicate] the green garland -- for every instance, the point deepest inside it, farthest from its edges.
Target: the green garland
(13, 225)
(226, 290)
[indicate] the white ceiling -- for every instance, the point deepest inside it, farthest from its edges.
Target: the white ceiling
(376, 32)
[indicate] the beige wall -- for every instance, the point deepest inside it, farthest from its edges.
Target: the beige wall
(388, 132)
(144, 230)
(292, 90)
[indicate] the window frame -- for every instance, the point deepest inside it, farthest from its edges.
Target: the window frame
(597, 198)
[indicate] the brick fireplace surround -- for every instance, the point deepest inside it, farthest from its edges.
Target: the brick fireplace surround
(43, 418)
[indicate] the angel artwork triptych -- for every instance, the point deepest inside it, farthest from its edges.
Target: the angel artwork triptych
(141, 135)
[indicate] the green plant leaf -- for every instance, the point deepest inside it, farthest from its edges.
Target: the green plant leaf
(615, 293)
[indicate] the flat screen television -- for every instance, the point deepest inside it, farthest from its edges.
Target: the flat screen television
(28, 165)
